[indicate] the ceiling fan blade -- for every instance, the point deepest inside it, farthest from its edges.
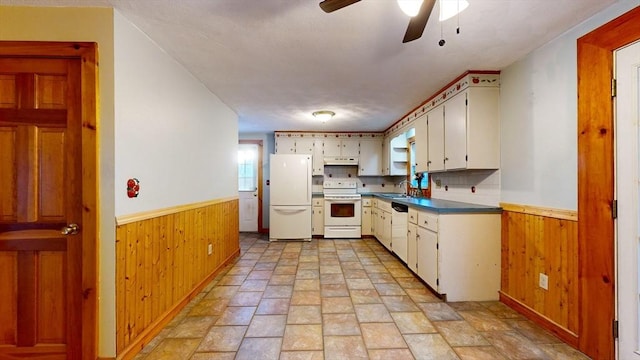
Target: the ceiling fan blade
(333, 5)
(418, 22)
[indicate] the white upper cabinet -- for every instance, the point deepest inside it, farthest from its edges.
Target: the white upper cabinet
(311, 146)
(398, 155)
(341, 147)
(370, 162)
(435, 121)
(285, 145)
(455, 132)
(422, 144)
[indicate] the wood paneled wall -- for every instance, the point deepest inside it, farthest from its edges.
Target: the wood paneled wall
(540, 240)
(162, 262)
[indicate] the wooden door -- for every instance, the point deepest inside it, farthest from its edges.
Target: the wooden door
(41, 295)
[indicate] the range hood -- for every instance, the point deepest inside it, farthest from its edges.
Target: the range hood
(340, 160)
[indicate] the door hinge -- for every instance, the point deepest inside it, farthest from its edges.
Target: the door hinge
(466, 158)
(615, 329)
(466, 101)
(438, 282)
(614, 87)
(614, 209)
(437, 246)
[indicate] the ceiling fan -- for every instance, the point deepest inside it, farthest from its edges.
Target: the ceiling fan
(416, 24)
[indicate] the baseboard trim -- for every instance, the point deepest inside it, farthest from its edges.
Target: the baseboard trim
(152, 330)
(566, 335)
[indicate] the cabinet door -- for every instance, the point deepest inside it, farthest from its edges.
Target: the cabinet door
(435, 121)
(374, 220)
(422, 144)
(304, 146)
(386, 145)
(318, 157)
(428, 257)
(317, 221)
(386, 229)
(332, 147)
(366, 221)
(370, 162)
(350, 147)
(285, 145)
(412, 247)
(455, 132)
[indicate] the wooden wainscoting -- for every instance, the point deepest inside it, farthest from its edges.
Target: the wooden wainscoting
(541, 240)
(162, 263)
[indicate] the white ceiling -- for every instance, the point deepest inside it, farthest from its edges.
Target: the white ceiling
(274, 62)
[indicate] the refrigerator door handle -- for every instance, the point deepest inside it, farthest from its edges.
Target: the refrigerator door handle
(290, 210)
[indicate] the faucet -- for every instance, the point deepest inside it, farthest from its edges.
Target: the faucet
(405, 181)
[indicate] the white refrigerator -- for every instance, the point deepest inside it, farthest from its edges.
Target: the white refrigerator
(290, 197)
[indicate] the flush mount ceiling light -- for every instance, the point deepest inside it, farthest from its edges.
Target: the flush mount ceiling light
(323, 115)
(451, 8)
(410, 7)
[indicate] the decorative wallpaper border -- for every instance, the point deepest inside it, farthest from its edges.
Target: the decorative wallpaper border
(314, 135)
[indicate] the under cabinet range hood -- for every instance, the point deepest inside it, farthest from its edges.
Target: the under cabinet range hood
(340, 160)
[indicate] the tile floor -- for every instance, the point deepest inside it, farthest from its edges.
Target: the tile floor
(340, 299)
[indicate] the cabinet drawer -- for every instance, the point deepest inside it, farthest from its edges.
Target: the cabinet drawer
(413, 216)
(428, 221)
(366, 202)
(386, 206)
(318, 202)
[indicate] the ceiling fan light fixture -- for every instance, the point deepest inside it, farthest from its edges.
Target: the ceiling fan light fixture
(410, 7)
(323, 115)
(451, 8)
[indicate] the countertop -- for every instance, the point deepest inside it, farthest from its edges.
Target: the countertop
(435, 205)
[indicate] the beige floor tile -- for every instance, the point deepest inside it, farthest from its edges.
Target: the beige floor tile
(222, 292)
(241, 270)
(340, 324)
(355, 274)
(344, 348)
(308, 274)
(430, 347)
(533, 332)
(332, 279)
(367, 313)
(330, 269)
(306, 297)
(412, 322)
(307, 284)
(277, 292)
(484, 321)
(232, 280)
(282, 279)
(254, 285)
(261, 265)
(285, 261)
(304, 314)
(389, 289)
(360, 284)
(222, 338)
(460, 333)
(382, 336)
(336, 305)
(285, 270)
(259, 348)
(267, 326)
(501, 310)
(365, 297)
(302, 337)
(401, 303)
(260, 274)
(478, 353)
(393, 354)
(421, 295)
(411, 283)
(515, 345)
(208, 307)
(382, 278)
(193, 327)
(439, 311)
(351, 265)
(214, 356)
(173, 349)
(273, 306)
(562, 352)
(236, 315)
(301, 355)
(332, 290)
(246, 298)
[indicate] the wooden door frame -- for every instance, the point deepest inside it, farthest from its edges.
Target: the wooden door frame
(596, 242)
(87, 53)
(260, 154)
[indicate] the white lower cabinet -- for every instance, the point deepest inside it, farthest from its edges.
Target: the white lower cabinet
(412, 247)
(458, 254)
(366, 217)
(317, 216)
(383, 224)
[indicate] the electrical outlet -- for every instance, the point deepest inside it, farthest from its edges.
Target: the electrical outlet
(210, 249)
(438, 183)
(544, 281)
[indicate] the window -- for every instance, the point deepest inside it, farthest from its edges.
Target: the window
(413, 182)
(247, 167)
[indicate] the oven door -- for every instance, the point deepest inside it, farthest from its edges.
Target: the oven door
(342, 212)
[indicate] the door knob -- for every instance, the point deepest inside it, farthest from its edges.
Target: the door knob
(70, 229)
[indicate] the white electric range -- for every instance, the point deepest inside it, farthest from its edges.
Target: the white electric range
(342, 209)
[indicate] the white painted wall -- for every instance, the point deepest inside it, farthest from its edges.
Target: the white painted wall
(172, 134)
(539, 120)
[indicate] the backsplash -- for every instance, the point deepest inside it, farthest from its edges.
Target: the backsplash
(366, 184)
(471, 186)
